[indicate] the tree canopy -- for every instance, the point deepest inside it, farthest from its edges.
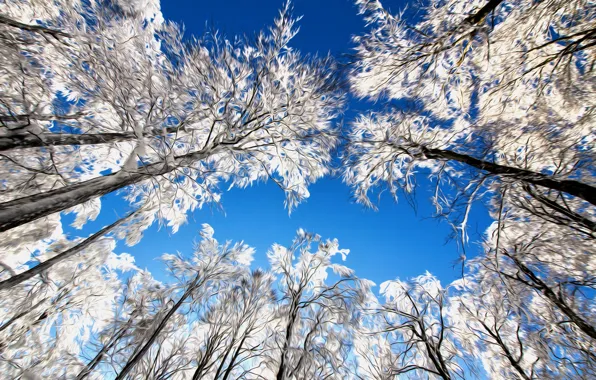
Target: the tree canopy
(489, 101)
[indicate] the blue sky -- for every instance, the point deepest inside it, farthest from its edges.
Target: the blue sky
(395, 241)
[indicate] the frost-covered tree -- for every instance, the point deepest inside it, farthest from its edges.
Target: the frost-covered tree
(496, 105)
(134, 309)
(56, 258)
(216, 319)
(44, 322)
(495, 330)
(316, 318)
(86, 324)
(551, 268)
(483, 325)
(234, 331)
(526, 317)
(116, 100)
(104, 96)
(410, 334)
(211, 265)
(511, 316)
(501, 95)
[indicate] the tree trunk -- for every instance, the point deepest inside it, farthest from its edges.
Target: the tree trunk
(555, 299)
(479, 16)
(234, 358)
(225, 357)
(565, 212)
(99, 356)
(20, 315)
(433, 351)
(30, 140)
(575, 188)
(162, 324)
(206, 363)
(24, 210)
(42, 267)
(289, 329)
(514, 363)
(307, 339)
(33, 28)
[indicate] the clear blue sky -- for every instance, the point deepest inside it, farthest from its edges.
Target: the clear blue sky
(393, 242)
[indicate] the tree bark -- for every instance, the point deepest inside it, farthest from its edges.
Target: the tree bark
(24, 210)
(33, 28)
(27, 209)
(38, 269)
(514, 363)
(20, 315)
(575, 188)
(553, 205)
(225, 357)
(234, 358)
(206, 362)
(289, 329)
(433, 352)
(31, 140)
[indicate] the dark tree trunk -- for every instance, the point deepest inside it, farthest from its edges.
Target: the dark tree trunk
(99, 356)
(575, 188)
(220, 367)
(288, 337)
(477, 17)
(206, 360)
(541, 286)
(20, 315)
(434, 352)
(234, 358)
(32, 28)
(42, 267)
(30, 140)
(24, 210)
(514, 363)
(566, 214)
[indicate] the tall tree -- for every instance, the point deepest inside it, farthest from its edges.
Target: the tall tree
(75, 249)
(315, 318)
(414, 333)
(212, 263)
(235, 329)
(167, 121)
(44, 322)
(489, 97)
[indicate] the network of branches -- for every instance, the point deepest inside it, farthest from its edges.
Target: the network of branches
(490, 101)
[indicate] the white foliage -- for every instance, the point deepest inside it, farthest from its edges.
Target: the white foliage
(191, 116)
